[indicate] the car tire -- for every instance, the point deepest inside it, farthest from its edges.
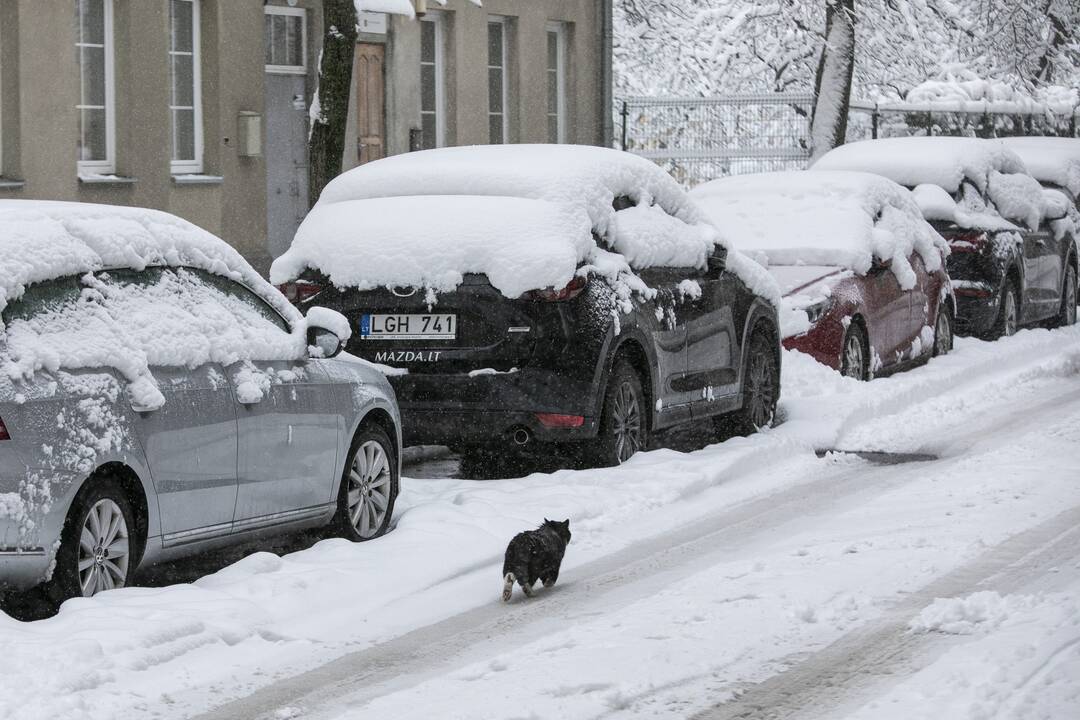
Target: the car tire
(1008, 319)
(623, 420)
(97, 545)
(943, 331)
(1067, 314)
(760, 391)
(855, 353)
(369, 486)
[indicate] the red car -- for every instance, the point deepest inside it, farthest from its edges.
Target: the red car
(862, 273)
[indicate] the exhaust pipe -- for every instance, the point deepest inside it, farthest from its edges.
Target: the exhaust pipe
(522, 436)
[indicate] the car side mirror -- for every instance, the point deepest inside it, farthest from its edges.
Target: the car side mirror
(328, 331)
(716, 263)
(322, 343)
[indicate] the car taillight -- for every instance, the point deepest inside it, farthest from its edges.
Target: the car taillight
(300, 290)
(569, 292)
(554, 420)
(966, 240)
(4, 435)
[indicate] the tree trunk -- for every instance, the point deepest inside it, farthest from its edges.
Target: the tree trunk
(832, 87)
(326, 143)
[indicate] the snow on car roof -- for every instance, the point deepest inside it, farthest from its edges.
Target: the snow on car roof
(432, 241)
(586, 177)
(1051, 160)
(45, 240)
(524, 215)
(911, 161)
(811, 217)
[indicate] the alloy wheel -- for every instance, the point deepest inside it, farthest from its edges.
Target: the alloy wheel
(369, 489)
(626, 422)
(854, 362)
(1070, 297)
(943, 334)
(104, 549)
(762, 389)
(1009, 325)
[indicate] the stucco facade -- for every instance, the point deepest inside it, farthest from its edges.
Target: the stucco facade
(237, 184)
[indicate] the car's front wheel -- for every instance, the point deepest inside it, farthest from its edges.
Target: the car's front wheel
(854, 360)
(943, 332)
(1067, 315)
(1009, 317)
(96, 545)
(761, 386)
(623, 423)
(369, 487)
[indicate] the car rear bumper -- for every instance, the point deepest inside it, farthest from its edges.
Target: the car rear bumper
(975, 315)
(491, 408)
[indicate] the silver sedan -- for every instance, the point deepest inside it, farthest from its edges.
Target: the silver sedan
(95, 480)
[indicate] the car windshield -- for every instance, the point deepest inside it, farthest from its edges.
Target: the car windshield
(170, 317)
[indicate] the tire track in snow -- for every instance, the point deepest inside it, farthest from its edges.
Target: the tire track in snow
(590, 589)
(841, 673)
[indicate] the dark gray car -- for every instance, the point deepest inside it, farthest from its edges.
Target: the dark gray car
(170, 404)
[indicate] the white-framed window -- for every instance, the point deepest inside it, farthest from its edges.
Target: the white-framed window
(97, 93)
(185, 99)
(556, 82)
(497, 81)
(432, 81)
(286, 40)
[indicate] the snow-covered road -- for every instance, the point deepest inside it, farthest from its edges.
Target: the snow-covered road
(747, 579)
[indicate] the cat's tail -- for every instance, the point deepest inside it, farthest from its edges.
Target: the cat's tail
(508, 586)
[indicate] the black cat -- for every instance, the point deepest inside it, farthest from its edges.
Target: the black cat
(535, 555)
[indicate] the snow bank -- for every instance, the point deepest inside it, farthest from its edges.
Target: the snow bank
(911, 161)
(106, 321)
(842, 219)
(1050, 160)
(528, 216)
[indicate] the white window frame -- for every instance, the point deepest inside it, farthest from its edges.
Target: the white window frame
(188, 167)
(439, 21)
(108, 165)
(501, 21)
(293, 12)
(559, 29)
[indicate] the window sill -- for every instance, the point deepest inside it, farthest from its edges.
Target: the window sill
(9, 184)
(197, 179)
(91, 179)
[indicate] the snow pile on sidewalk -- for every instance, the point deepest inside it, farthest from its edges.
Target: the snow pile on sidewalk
(98, 321)
(528, 216)
(842, 219)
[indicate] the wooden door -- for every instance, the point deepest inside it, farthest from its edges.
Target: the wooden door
(370, 103)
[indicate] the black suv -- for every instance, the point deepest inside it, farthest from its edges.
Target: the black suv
(1007, 278)
(592, 366)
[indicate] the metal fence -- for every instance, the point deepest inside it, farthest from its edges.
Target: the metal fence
(697, 139)
(972, 119)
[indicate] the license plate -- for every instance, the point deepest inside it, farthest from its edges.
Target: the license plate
(408, 327)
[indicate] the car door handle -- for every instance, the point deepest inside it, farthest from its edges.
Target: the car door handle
(1040, 242)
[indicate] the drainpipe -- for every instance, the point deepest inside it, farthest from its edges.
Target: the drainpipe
(607, 79)
(421, 7)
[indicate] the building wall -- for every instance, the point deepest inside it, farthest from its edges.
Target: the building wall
(40, 87)
(466, 82)
(39, 127)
